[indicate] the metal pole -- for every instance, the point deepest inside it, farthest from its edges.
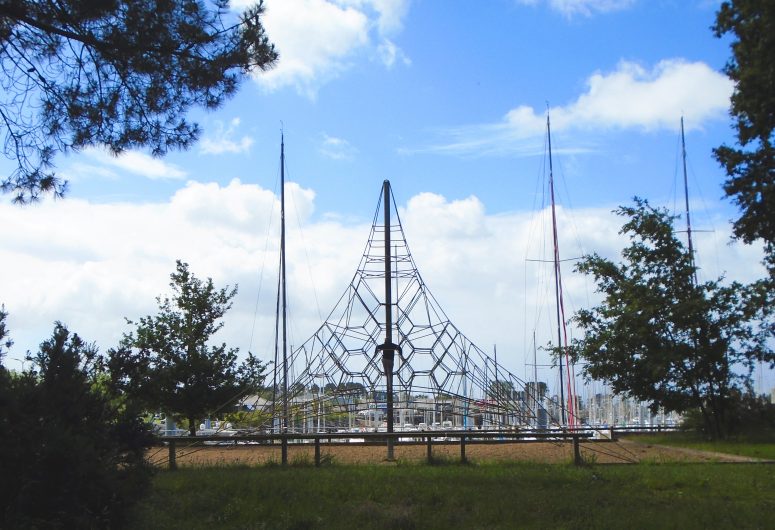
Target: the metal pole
(284, 297)
(388, 348)
(556, 272)
(686, 199)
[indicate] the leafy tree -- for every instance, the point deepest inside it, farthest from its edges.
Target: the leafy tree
(72, 455)
(119, 74)
(350, 387)
(249, 419)
(5, 340)
(751, 166)
(168, 362)
(660, 336)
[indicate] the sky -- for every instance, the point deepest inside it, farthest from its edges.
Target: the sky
(446, 99)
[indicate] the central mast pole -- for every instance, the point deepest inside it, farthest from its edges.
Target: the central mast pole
(284, 301)
(388, 348)
(686, 199)
(556, 271)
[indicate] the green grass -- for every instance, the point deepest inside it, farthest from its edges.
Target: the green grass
(462, 496)
(759, 446)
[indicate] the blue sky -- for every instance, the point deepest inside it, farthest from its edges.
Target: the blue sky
(447, 99)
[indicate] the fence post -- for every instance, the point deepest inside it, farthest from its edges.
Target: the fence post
(317, 451)
(429, 449)
(173, 462)
(576, 451)
(463, 448)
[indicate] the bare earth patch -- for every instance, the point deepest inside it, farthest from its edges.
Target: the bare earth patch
(600, 452)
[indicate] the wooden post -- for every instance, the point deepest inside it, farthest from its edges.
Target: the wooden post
(463, 448)
(317, 451)
(429, 449)
(173, 462)
(576, 451)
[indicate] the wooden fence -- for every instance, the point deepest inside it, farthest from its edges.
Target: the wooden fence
(427, 438)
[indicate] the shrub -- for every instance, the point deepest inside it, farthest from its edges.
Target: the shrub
(747, 414)
(72, 454)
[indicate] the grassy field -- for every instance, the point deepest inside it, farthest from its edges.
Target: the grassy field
(760, 446)
(462, 496)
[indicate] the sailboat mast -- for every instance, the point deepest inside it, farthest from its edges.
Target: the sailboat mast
(535, 381)
(556, 269)
(686, 198)
(283, 290)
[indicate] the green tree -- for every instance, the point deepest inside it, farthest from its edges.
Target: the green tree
(750, 166)
(168, 362)
(118, 74)
(660, 336)
(72, 455)
(5, 340)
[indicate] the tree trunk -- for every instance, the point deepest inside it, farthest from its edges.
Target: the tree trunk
(192, 426)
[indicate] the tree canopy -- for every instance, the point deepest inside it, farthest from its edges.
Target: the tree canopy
(117, 74)
(72, 454)
(168, 363)
(750, 166)
(660, 336)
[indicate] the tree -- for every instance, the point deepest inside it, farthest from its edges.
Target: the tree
(660, 336)
(5, 340)
(119, 74)
(751, 166)
(168, 362)
(72, 454)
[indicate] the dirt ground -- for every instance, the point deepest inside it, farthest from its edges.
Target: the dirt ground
(600, 452)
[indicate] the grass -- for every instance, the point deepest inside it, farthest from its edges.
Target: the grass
(758, 446)
(461, 496)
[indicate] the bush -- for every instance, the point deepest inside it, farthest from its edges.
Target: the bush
(746, 414)
(751, 414)
(72, 455)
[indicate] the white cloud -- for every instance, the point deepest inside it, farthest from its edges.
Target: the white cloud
(630, 97)
(90, 265)
(587, 8)
(390, 13)
(319, 39)
(336, 148)
(133, 162)
(78, 171)
(223, 141)
(389, 53)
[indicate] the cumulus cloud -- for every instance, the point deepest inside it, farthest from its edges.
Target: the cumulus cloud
(319, 39)
(90, 265)
(569, 8)
(630, 97)
(223, 140)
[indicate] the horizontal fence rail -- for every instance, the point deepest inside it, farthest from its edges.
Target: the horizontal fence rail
(428, 438)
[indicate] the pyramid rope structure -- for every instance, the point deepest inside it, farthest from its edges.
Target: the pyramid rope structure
(440, 376)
